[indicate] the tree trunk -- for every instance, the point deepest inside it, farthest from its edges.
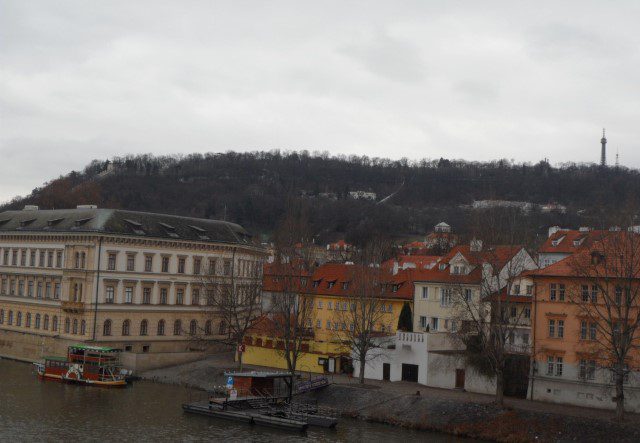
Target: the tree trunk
(500, 388)
(619, 395)
(239, 356)
(361, 375)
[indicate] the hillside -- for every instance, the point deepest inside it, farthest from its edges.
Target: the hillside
(253, 189)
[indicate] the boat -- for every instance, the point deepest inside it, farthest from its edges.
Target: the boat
(88, 365)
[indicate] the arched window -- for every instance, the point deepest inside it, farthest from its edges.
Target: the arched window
(19, 319)
(126, 327)
(45, 326)
(207, 327)
(223, 328)
(177, 327)
(27, 321)
(106, 328)
(144, 326)
(54, 326)
(193, 327)
(1, 316)
(67, 325)
(161, 327)
(83, 327)
(38, 318)
(75, 325)
(10, 317)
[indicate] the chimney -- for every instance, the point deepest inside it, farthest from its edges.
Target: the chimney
(30, 208)
(476, 245)
(553, 230)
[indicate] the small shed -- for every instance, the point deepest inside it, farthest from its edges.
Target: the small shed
(259, 383)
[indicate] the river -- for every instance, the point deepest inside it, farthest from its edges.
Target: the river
(31, 409)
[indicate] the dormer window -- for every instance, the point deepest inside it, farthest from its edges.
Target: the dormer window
(330, 284)
(345, 285)
(303, 281)
(442, 266)
(136, 227)
(202, 234)
(81, 221)
(557, 241)
(54, 221)
(170, 230)
(394, 288)
(316, 283)
(25, 223)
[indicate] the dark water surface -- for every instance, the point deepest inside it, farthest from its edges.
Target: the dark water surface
(31, 409)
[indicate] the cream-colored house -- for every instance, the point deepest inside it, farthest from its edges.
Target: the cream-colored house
(126, 279)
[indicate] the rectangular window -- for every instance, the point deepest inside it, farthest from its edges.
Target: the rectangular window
(109, 294)
(514, 312)
(552, 328)
(552, 291)
(23, 258)
(329, 305)
(179, 296)
(111, 262)
(39, 290)
(592, 331)
(128, 294)
(467, 294)
(529, 289)
(561, 290)
(559, 366)
(181, 262)
(583, 330)
(131, 262)
(14, 258)
(584, 293)
(41, 259)
(516, 289)
(227, 267)
(30, 288)
(328, 324)
(148, 263)
(58, 259)
(550, 365)
(197, 263)
(425, 292)
(320, 304)
(423, 321)
(32, 258)
(47, 290)
(212, 266)
(195, 296)
(165, 264)
(146, 296)
(56, 292)
(434, 324)
(163, 296)
(560, 328)
(527, 312)
(445, 297)
(319, 324)
(50, 259)
(594, 294)
(21, 288)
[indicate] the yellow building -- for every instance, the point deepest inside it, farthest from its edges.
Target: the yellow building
(330, 293)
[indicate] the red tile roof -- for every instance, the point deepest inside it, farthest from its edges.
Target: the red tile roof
(565, 241)
(509, 298)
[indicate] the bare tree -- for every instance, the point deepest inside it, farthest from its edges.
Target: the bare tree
(291, 312)
(606, 294)
(486, 323)
(235, 298)
(365, 310)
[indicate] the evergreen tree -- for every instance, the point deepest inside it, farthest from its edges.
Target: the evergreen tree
(405, 321)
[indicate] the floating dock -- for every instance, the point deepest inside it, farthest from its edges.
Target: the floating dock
(246, 416)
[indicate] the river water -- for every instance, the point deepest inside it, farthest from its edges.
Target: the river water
(31, 409)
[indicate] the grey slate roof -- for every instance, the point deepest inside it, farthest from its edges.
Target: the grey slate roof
(121, 222)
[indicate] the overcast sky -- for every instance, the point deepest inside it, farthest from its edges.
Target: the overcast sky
(458, 79)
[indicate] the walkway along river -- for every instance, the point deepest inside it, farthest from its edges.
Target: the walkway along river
(31, 409)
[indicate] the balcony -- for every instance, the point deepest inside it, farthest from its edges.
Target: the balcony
(75, 307)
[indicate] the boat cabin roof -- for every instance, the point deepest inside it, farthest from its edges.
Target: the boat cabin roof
(56, 358)
(94, 348)
(259, 374)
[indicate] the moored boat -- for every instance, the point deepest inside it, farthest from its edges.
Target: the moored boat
(89, 365)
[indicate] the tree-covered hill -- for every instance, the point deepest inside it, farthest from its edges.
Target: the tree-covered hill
(255, 188)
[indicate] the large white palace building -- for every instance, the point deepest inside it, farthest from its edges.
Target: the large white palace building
(130, 280)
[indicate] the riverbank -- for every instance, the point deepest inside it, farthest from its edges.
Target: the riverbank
(454, 412)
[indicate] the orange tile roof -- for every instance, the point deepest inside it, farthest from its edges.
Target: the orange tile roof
(566, 241)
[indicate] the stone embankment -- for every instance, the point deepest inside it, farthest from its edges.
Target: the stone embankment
(452, 412)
